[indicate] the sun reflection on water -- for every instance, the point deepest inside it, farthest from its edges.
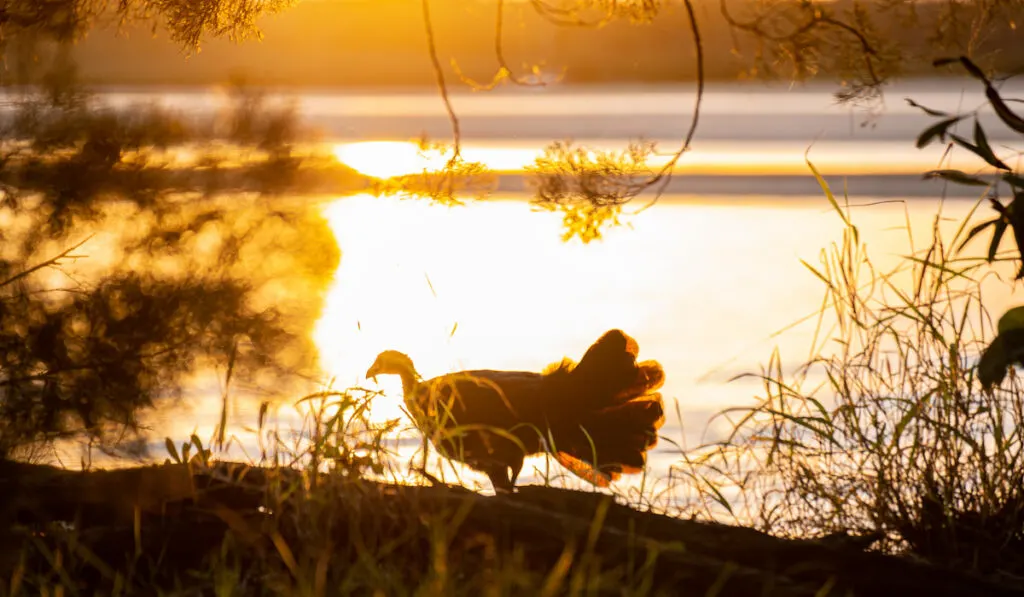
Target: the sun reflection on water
(489, 285)
(385, 159)
(703, 287)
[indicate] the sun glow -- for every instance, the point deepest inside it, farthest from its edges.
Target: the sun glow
(380, 297)
(386, 159)
(457, 288)
(490, 285)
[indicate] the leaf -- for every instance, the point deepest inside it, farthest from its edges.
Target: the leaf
(971, 68)
(936, 130)
(1008, 116)
(901, 426)
(1014, 214)
(975, 231)
(956, 176)
(831, 197)
(719, 497)
(262, 417)
(286, 553)
(927, 110)
(1005, 350)
(985, 150)
(1012, 320)
(997, 237)
(978, 151)
(992, 365)
(172, 450)
(1014, 179)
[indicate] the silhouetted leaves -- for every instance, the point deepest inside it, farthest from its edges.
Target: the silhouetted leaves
(1008, 116)
(936, 130)
(926, 110)
(982, 149)
(103, 355)
(1014, 215)
(1005, 350)
(1011, 216)
(187, 20)
(957, 176)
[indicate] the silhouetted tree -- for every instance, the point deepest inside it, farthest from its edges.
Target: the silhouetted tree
(194, 263)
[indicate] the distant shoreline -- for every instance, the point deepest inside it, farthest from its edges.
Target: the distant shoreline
(271, 84)
(795, 186)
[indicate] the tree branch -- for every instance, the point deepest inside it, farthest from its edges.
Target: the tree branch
(665, 174)
(48, 263)
(442, 85)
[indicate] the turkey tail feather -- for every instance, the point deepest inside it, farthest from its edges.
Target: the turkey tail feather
(614, 402)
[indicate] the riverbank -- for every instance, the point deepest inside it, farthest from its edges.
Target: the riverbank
(229, 528)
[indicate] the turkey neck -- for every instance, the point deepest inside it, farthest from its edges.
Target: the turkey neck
(410, 384)
(410, 379)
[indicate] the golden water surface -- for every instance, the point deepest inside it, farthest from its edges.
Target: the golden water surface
(708, 286)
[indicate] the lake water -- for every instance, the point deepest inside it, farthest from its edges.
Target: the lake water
(706, 280)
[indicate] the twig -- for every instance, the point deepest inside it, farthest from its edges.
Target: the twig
(505, 71)
(442, 85)
(665, 174)
(48, 263)
(222, 429)
(499, 51)
(568, 18)
(817, 17)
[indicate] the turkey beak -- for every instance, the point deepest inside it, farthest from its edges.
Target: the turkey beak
(371, 373)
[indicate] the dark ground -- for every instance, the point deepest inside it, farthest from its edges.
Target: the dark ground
(186, 513)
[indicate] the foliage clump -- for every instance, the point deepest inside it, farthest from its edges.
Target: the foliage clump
(186, 20)
(896, 429)
(589, 187)
(126, 268)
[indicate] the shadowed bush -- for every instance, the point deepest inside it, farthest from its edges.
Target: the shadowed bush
(888, 431)
(327, 521)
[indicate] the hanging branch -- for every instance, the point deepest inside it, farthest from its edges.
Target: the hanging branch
(442, 85)
(665, 174)
(570, 18)
(816, 17)
(616, 192)
(499, 50)
(505, 72)
(51, 262)
(592, 188)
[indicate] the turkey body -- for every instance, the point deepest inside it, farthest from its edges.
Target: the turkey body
(597, 418)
